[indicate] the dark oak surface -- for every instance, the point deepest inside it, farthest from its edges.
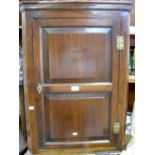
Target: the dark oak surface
(132, 15)
(70, 49)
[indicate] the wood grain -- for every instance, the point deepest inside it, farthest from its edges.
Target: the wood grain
(73, 44)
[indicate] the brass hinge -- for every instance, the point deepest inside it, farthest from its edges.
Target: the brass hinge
(120, 42)
(116, 128)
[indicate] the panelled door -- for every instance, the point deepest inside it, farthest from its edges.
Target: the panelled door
(76, 68)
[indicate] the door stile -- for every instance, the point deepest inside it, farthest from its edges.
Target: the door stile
(123, 79)
(115, 80)
(29, 88)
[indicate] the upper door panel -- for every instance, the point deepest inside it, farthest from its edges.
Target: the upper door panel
(76, 54)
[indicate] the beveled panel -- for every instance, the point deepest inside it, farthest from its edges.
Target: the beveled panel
(77, 116)
(77, 54)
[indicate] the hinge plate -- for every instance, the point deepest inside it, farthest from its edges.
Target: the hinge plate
(120, 42)
(116, 128)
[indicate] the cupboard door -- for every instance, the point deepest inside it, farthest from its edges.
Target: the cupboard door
(76, 69)
(75, 78)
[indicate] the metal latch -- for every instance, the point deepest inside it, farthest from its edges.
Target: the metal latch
(39, 88)
(116, 128)
(120, 42)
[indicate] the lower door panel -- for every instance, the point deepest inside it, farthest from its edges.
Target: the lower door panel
(75, 119)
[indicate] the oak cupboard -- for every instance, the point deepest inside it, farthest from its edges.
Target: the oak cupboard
(76, 74)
